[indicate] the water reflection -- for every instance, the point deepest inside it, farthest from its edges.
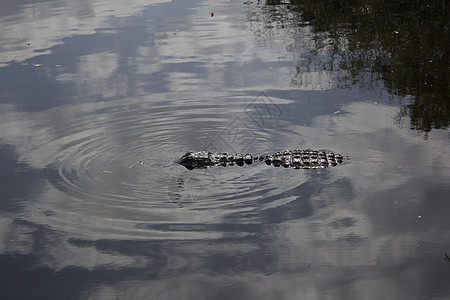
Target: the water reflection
(92, 121)
(246, 221)
(405, 45)
(31, 28)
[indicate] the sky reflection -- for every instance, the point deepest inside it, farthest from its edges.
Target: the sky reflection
(98, 100)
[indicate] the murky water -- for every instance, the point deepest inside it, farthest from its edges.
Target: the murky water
(98, 99)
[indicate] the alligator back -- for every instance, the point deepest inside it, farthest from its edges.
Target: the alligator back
(297, 159)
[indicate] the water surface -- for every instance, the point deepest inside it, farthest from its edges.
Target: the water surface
(98, 100)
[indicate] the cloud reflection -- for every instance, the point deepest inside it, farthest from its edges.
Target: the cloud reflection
(99, 208)
(43, 25)
(343, 232)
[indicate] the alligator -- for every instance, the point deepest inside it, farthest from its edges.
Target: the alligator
(297, 159)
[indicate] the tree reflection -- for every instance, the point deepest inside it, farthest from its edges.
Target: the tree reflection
(404, 43)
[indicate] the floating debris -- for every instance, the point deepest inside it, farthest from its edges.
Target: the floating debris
(446, 258)
(140, 162)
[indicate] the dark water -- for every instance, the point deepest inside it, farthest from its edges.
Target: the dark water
(99, 98)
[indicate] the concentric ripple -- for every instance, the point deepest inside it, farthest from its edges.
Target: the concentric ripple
(116, 174)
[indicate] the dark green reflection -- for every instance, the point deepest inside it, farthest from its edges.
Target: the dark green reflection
(403, 43)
